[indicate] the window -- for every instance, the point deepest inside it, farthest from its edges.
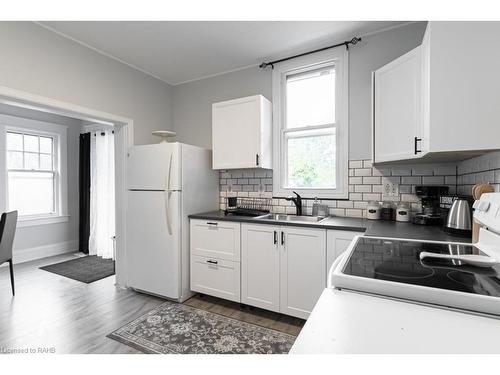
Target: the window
(34, 171)
(310, 126)
(31, 174)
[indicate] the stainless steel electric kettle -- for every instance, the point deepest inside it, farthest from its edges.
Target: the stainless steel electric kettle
(459, 219)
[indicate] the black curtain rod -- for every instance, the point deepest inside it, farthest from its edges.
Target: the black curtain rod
(353, 41)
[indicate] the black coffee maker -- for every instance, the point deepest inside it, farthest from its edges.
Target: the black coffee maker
(431, 213)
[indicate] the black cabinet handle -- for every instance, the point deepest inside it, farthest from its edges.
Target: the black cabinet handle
(275, 237)
(210, 223)
(416, 146)
(282, 238)
(257, 159)
(212, 261)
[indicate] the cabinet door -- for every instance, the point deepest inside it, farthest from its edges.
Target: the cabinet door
(260, 266)
(398, 108)
(302, 269)
(236, 134)
(337, 241)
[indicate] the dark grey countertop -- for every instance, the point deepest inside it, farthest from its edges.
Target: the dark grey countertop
(382, 228)
(375, 228)
(343, 223)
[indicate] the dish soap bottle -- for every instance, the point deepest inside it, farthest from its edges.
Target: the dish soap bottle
(319, 209)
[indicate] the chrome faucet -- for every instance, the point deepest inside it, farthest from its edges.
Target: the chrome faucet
(297, 201)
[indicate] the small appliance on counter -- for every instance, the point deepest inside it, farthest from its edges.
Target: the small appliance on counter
(431, 213)
(459, 219)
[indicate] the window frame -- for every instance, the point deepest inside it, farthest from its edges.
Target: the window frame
(339, 58)
(59, 135)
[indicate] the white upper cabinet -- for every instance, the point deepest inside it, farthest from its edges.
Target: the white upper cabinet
(397, 108)
(242, 133)
(450, 102)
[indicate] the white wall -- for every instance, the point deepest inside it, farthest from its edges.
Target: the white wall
(41, 62)
(43, 240)
(192, 101)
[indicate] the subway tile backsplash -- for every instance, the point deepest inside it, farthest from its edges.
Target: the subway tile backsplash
(482, 169)
(366, 183)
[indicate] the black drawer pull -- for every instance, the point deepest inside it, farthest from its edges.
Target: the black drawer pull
(212, 261)
(275, 237)
(210, 223)
(282, 238)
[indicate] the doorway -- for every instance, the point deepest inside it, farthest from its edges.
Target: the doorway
(123, 138)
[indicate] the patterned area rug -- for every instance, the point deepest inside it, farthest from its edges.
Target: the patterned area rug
(181, 329)
(86, 269)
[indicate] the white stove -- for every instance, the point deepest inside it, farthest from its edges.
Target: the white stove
(383, 298)
(394, 268)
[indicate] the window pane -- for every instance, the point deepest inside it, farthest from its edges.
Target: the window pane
(31, 193)
(46, 145)
(14, 160)
(31, 143)
(45, 162)
(310, 98)
(31, 161)
(14, 141)
(311, 161)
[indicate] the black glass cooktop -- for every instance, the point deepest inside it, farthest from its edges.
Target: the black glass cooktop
(398, 261)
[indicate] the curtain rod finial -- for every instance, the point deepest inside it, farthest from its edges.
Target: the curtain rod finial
(355, 40)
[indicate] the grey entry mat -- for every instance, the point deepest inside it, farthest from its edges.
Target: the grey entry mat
(174, 328)
(86, 269)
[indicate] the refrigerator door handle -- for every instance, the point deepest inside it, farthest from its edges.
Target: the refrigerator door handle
(167, 196)
(167, 183)
(167, 212)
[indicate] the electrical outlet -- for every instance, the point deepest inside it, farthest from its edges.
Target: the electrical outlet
(390, 189)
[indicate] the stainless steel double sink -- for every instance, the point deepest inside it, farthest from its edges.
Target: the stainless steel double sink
(294, 218)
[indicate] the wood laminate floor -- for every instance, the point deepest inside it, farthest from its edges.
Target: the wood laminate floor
(53, 312)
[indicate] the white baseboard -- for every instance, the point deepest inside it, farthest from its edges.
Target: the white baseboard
(25, 255)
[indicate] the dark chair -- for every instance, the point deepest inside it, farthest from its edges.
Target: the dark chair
(8, 224)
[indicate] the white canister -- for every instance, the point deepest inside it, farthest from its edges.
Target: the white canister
(373, 210)
(403, 212)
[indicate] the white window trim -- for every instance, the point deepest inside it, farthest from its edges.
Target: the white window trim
(11, 123)
(338, 56)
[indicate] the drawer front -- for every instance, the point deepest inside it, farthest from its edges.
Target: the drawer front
(216, 277)
(215, 239)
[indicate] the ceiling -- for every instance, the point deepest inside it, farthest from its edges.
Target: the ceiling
(181, 51)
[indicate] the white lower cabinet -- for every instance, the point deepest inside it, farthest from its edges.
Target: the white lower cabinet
(216, 277)
(278, 268)
(283, 268)
(337, 242)
(260, 264)
(302, 269)
(215, 249)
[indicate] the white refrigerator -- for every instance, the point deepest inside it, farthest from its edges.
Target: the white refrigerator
(166, 182)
